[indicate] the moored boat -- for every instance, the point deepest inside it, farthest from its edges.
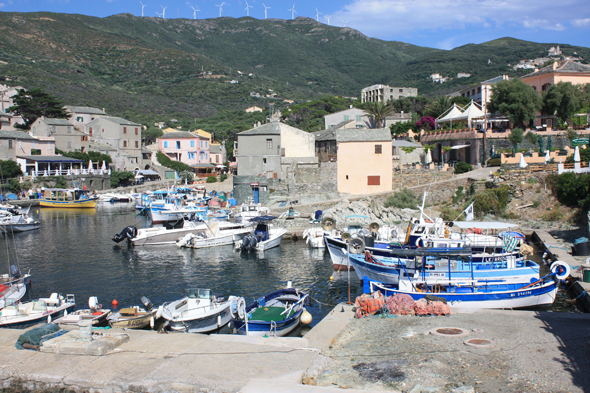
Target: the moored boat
(95, 313)
(199, 312)
(264, 238)
(214, 236)
(135, 317)
(275, 314)
(480, 294)
(21, 315)
(68, 198)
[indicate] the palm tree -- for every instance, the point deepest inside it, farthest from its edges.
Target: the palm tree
(379, 111)
(439, 106)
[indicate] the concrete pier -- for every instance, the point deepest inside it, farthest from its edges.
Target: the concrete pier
(557, 252)
(175, 362)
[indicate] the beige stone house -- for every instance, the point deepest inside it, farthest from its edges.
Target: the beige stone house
(67, 137)
(364, 164)
(122, 134)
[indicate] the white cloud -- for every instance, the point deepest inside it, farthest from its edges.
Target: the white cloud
(2, 5)
(398, 17)
(583, 23)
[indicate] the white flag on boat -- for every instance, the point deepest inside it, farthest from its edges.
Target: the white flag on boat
(469, 212)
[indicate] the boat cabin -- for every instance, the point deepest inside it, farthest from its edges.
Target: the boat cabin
(59, 194)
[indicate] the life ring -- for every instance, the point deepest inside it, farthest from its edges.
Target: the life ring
(238, 308)
(418, 242)
(560, 269)
(145, 197)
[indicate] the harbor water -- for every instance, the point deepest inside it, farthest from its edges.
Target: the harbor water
(73, 253)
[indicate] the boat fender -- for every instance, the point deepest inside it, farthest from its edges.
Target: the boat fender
(306, 317)
(560, 269)
(159, 312)
(152, 322)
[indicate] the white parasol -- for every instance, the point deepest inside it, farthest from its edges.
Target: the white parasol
(90, 169)
(522, 163)
(104, 165)
(577, 155)
(428, 157)
(547, 156)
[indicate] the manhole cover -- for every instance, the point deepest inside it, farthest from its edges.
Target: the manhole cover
(449, 332)
(480, 342)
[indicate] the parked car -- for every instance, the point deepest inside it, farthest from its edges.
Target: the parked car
(495, 160)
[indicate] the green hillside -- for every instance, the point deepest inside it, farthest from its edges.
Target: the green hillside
(153, 69)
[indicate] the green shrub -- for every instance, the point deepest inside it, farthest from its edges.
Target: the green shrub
(178, 166)
(222, 177)
(121, 178)
(60, 182)
(572, 190)
(404, 199)
(532, 180)
(553, 215)
(536, 204)
(10, 169)
(492, 201)
(15, 186)
(463, 167)
(450, 214)
(458, 194)
(211, 179)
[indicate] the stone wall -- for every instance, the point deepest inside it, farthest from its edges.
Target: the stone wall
(92, 182)
(409, 178)
(243, 188)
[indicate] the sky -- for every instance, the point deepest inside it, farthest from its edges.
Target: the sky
(443, 24)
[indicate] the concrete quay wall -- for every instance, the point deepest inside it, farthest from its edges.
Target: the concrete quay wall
(175, 362)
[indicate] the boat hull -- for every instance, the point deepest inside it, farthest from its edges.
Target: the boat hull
(31, 320)
(16, 228)
(391, 274)
(88, 203)
(140, 321)
(523, 297)
(206, 323)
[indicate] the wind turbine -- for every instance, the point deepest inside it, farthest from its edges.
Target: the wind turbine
(293, 12)
(265, 8)
(142, 5)
(164, 12)
(328, 17)
(248, 9)
(345, 22)
(160, 15)
(317, 15)
(220, 8)
(195, 10)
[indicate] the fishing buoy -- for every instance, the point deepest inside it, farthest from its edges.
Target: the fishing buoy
(331, 278)
(115, 303)
(49, 318)
(306, 317)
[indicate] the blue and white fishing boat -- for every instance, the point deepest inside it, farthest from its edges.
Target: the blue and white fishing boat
(441, 264)
(275, 314)
(479, 293)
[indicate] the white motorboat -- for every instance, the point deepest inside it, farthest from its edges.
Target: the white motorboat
(94, 313)
(169, 234)
(15, 221)
(264, 238)
(20, 315)
(214, 236)
(199, 312)
(249, 210)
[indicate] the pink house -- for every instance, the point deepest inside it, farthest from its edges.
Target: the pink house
(185, 147)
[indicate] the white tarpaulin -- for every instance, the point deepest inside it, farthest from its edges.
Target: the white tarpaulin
(483, 225)
(522, 162)
(473, 111)
(450, 114)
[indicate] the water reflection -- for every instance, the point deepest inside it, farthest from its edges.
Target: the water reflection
(73, 253)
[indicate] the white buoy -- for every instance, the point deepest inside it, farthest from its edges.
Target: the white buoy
(306, 317)
(289, 284)
(49, 318)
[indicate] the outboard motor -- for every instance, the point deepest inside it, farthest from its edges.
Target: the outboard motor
(245, 243)
(147, 303)
(253, 241)
(128, 233)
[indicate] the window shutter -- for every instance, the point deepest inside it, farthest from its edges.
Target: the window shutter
(374, 180)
